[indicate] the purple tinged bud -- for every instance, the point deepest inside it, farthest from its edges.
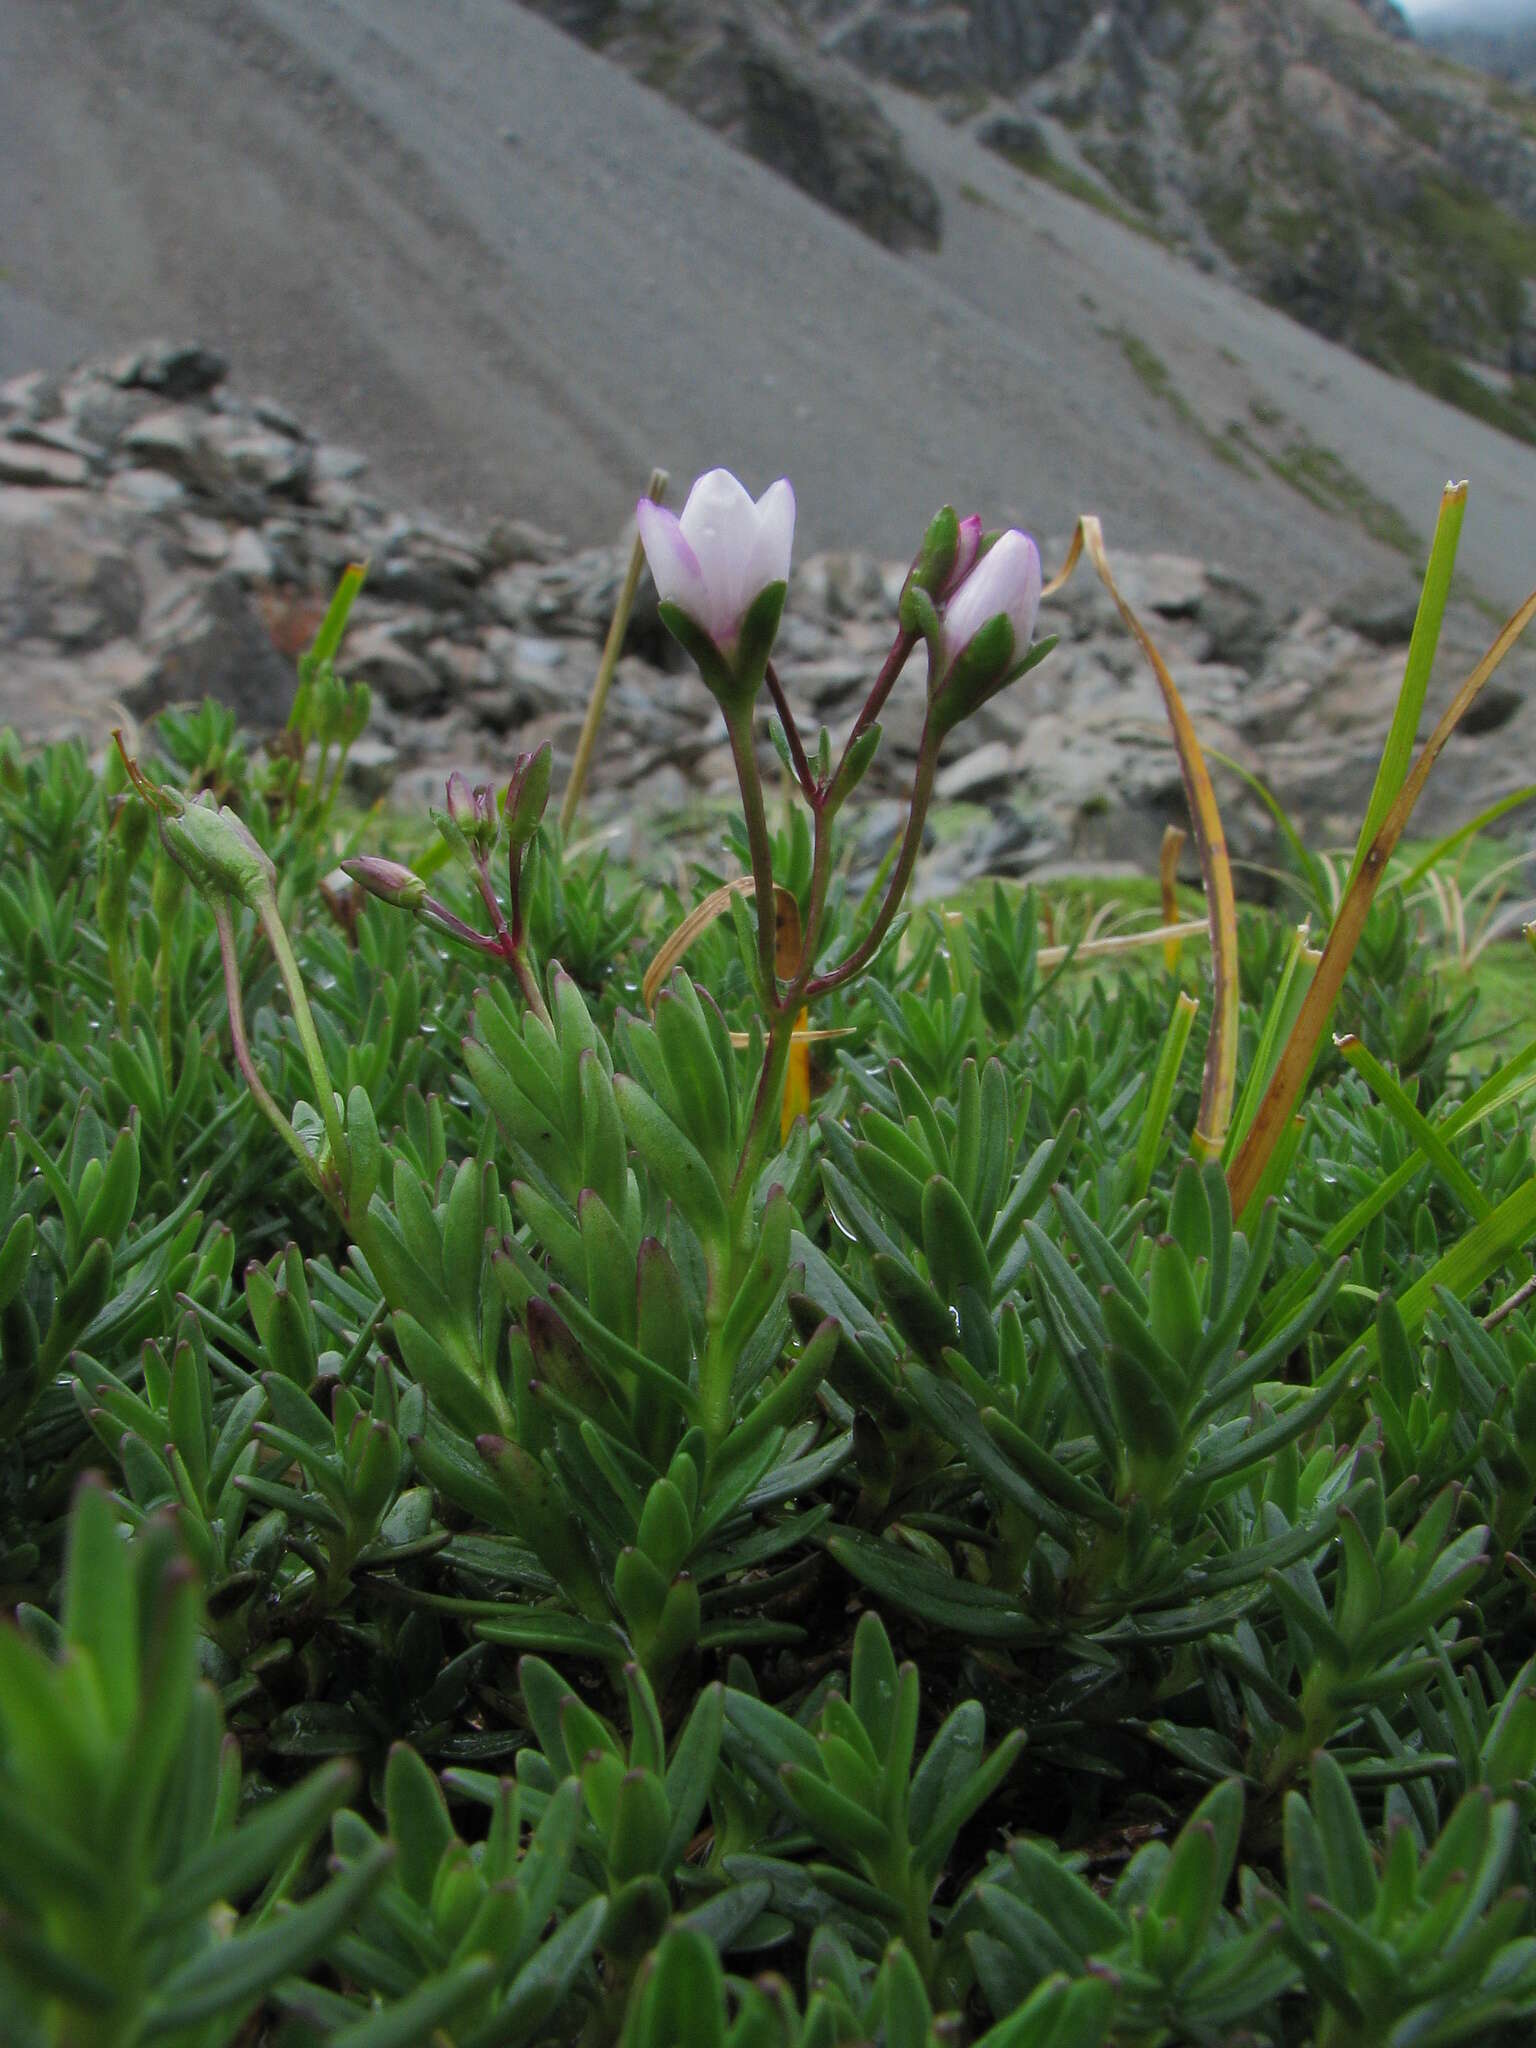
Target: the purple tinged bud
(968, 548)
(461, 802)
(1006, 581)
(473, 811)
(387, 880)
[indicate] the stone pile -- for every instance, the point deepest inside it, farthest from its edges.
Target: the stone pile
(162, 540)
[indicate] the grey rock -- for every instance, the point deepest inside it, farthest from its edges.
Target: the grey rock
(57, 433)
(404, 580)
(177, 441)
(261, 459)
(1382, 611)
(1172, 585)
(183, 369)
(101, 412)
(333, 464)
(216, 646)
(372, 765)
(1234, 620)
(32, 395)
(63, 581)
(146, 490)
(24, 462)
(278, 418)
(287, 542)
(508, 541)
(249, 557)
(982, 772)
(377, 656)
(206, 541)
(1016, 842)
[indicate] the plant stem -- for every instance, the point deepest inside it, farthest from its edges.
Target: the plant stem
(869, 945)
(796, 745)
(874, 704)
(259, 1092)
(738, 725)
(304, 1021)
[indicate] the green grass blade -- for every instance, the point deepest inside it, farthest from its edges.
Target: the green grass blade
(1454, 841)
(1397, 754)
(1391, 1092)
(1164, 1080)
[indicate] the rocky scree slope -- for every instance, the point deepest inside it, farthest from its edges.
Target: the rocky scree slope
(457, 238)
(744, 68)
(1312, 152)
(162, 539)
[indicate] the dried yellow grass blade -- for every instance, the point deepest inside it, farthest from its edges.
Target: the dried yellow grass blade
(655, 490)
(1220, 1082)
(701, 917)
(1120, 942)
(1125, 942)
(1295, 1063)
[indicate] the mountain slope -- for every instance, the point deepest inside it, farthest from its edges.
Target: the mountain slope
(518, 278)
(1310, 151)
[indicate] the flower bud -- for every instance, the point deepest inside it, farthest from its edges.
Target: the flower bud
(720, 572)
(945, 559)
(474, 814)
(986, 627)
(967, 548)
(214, 848)
(473, 811)
(528, 793)
(387, 880)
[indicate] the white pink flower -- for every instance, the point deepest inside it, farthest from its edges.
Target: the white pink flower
(724, 551)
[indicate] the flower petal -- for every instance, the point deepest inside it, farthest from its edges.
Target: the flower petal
(674, 566)
(719, 523)
(1007, 579)
(769, 560)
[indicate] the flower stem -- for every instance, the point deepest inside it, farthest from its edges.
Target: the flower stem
(510, 948)
(260, 1093)
(304, 1021)
(874, 704)
(864, 952)
(797, 755)
(738, 725)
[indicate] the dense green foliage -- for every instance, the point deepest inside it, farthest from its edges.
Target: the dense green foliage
(954, 1582)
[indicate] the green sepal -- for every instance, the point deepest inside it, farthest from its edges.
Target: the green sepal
(701, 650)
(528, 795)
(754, 642)
(935, 562)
